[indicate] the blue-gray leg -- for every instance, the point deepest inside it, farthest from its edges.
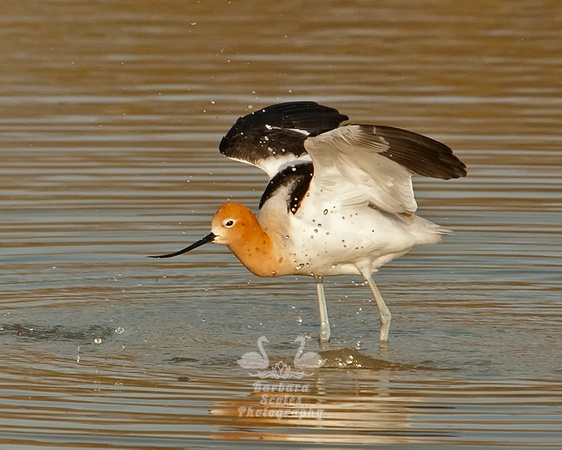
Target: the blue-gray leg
(324, 335)
(386, 317)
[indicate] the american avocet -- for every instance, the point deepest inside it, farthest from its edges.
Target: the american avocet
(339, 200)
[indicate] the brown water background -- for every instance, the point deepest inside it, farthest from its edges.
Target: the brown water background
(110, 119)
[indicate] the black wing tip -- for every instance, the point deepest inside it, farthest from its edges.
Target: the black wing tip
(300, 115)
(449, 165)
(298, 110)
(458, 168)
(277, 129)
(421, 154)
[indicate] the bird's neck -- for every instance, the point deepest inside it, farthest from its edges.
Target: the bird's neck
(258, 252)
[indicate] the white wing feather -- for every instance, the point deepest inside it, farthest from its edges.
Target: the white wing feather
(349, 165)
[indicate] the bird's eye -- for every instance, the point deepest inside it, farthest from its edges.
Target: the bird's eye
(229, 223)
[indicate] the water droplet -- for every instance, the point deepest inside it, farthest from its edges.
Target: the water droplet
(325, 211)
(97, 340)
(119, 330)
(299, 320)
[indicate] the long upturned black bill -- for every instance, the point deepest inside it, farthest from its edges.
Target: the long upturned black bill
(209, 238)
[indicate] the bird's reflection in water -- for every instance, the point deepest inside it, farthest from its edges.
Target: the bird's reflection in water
(351, 392)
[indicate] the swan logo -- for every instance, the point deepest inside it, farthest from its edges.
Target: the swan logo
(281, 370)
(282, 398)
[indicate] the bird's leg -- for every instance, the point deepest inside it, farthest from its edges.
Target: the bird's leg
(324, 322)
(385, 312)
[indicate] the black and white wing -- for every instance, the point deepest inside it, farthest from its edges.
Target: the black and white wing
(375, 164)
(273, 137)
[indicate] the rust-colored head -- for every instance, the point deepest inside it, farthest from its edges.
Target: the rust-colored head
(237, 227)
(233, 224)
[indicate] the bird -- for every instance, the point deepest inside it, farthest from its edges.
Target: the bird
(253, 360)
(310, 360)
(339, 200)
